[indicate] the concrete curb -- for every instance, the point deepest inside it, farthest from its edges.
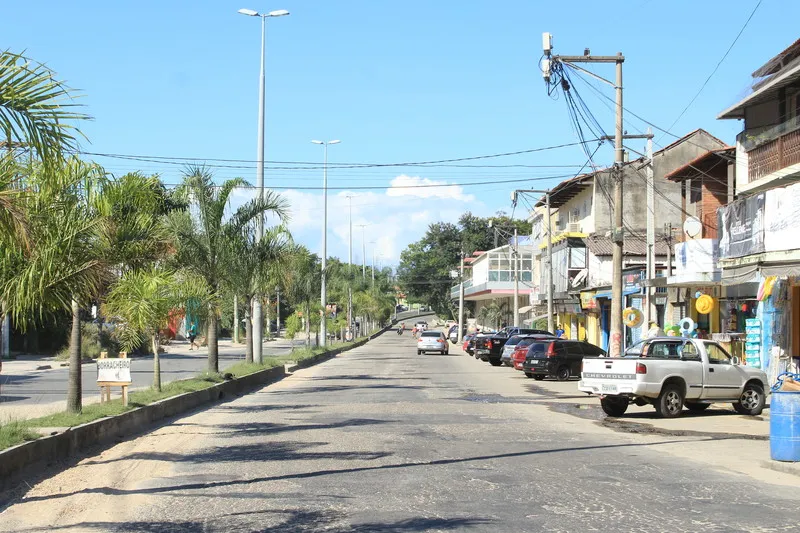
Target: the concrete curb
(780, 466)
(34, 456)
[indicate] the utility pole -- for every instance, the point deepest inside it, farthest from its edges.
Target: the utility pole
(278, 311)
(651, 228)
(668, 238)
(363, 252)
(235, 319)
(515, 257)
(350, 266)
(373, 262)
(461, 302)
(550, 324)
(617, 236)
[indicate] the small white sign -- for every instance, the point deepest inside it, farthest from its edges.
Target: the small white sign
(114, 370)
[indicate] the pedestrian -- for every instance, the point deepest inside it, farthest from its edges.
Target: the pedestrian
(655, 330)
(191, 332)
(559, 331)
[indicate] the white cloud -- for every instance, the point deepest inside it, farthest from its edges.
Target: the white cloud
(426, 188)
(394, 217)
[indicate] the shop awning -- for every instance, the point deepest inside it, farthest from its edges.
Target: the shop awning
(607, 294)
(740, 274)
(786, 269)
(525, 309)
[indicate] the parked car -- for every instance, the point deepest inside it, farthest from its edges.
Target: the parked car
(560, 358)
(511, 345)
(469, 343)
(432, 341)
(452, 333)
(521, 349)
(672, 372)
(491, 348)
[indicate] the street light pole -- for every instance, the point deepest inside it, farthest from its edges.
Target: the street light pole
(323, 327)
(258, 326)
(363, 252)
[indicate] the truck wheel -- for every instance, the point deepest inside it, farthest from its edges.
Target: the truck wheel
(563, 373)
(615, 407)
(528, 375)
(697, 407)
(751, 402)
(669, 403)
(494, 363)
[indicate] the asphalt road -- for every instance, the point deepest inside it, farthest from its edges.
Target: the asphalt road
(380, 439)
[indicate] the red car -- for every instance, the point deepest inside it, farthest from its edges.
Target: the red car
(467, 346)
(521, 350)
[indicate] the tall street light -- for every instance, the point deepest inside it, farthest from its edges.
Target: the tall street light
(258, 326)
(323, 328)
(363, 252)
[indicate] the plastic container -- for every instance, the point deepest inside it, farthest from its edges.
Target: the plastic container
(784, 426)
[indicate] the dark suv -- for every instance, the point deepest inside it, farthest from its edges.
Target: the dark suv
(491, 348)
(560, 358)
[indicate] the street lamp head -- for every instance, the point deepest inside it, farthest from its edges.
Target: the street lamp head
(317, 142)
(248, 12)
(334, 142)
(278, 13)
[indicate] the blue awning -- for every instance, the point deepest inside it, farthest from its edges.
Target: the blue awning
(607, 294)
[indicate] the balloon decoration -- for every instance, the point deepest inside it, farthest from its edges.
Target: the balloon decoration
(632, 317)
(688, 327)
(704, 304)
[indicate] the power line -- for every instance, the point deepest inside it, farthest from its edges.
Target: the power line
(316, 166)
(718, 65)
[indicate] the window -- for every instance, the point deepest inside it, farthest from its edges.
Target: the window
(689, 351)
(577, 257)
(717, 355)
(574, 349)
(663, 349)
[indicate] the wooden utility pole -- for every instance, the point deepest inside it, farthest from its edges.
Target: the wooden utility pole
(651, 228)
(617, 235)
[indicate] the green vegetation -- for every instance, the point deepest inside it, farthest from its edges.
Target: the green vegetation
(18, 431)
(15, 432)
(425, 266)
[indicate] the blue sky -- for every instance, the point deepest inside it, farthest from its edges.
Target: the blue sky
(395, 81)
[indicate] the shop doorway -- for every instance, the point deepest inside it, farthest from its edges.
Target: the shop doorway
(605, 324)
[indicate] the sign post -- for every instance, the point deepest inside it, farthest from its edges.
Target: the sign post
(113, 373)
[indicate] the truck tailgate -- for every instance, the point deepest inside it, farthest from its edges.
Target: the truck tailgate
(607, 375)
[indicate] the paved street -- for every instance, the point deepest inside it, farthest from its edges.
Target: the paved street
(380, 439)
(27, 392)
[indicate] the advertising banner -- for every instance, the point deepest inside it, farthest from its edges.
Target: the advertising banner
(782, 219)
(741, 226)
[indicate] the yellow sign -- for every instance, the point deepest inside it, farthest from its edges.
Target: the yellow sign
(704, 304)
(588, 301)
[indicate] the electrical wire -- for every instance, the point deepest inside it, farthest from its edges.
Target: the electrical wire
(725, 55)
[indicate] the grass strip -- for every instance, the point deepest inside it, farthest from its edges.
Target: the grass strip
(18, 431)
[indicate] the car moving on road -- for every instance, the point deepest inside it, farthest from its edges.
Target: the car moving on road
(672, 372)
(432, 341)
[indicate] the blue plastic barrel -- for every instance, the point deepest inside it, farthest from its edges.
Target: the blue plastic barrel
(784, 426)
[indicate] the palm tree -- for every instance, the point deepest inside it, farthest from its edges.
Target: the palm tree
(64, 264)
(201, 235)
(36, 110)
(144, 299)
(302, 282)
(490, 314)
(253, 266)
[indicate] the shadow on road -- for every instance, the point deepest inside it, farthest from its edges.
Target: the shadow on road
(284, 520)
(267, 449)
(269, 428)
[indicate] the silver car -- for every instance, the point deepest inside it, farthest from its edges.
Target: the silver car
(432, 341)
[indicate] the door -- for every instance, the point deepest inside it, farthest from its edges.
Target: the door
(574, 357)
(605, 324)
(723, 379)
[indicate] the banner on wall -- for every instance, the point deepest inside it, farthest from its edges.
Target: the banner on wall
(782, 219)
(741, 225)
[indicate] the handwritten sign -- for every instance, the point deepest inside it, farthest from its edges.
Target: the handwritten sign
(114, 370)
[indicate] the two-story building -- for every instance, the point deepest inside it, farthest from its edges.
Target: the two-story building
(759, 232)
(582, 248)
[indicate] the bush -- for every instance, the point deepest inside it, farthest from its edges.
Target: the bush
(93, 341)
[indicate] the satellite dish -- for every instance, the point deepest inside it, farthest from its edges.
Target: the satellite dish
(580, 277)
(692, 227)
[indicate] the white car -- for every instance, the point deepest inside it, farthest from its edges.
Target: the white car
(432, 341)
(672, 372)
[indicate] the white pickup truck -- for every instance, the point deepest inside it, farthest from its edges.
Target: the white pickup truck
(672, 372)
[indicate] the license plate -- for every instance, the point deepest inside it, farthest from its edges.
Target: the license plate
(608, 388)
(535, 362)
(483, 351)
